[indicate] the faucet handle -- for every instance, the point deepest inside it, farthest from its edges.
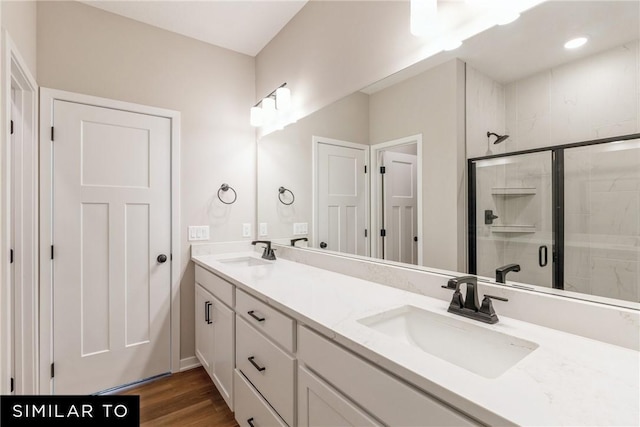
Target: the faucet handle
(496, 298)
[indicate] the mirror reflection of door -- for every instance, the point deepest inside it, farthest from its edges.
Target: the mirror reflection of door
(396, 207)
(399, 207)
(341, 196)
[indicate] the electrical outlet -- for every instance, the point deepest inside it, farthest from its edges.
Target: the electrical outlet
(246, 229)
(198, 232)
(263, 229)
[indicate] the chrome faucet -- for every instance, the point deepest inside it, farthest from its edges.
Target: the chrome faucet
(470, 306)
(501, 272)
(268, 253)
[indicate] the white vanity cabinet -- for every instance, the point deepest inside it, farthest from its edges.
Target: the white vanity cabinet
(215, 325)
(264, 340)
(386, 398)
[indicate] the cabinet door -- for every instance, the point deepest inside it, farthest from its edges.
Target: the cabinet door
(223, 355)
(204, 327)
(321, 405)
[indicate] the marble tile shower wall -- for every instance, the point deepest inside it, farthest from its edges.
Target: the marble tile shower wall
(594, 97)
(602, 218)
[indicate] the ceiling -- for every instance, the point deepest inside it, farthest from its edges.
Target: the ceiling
(240, 25)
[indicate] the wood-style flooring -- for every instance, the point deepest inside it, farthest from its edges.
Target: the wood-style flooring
(184, 399)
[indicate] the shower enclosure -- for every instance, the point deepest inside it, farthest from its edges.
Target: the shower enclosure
(569, 215)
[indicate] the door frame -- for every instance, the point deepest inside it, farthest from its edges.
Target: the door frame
(375, 186)
(15, 74)
(315, 142)
(47, 98)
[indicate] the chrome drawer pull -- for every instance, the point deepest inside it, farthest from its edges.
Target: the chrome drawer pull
(251, 313)
(255, 365)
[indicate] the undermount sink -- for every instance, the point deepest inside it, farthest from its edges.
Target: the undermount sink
(244, 261)
(475, 348)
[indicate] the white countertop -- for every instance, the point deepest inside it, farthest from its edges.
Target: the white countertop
(567, 380)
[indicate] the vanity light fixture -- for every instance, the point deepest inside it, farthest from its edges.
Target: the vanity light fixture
(575, 43)
(272, 108)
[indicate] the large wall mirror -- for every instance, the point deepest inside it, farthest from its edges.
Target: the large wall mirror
(460, 162)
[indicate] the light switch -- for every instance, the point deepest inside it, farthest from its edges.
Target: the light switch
(246, 229)
(198, 232)
(300, 228)
(263, 229)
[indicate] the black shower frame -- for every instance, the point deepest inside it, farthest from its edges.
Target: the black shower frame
(557, 185)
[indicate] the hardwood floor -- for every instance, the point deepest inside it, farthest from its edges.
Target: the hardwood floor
(184, 399)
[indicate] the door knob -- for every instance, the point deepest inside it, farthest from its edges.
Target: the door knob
(162, 258)
(323, 245)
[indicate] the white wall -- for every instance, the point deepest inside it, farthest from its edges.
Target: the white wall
(285, 159)
(432, 104)
(87, 50)
(19, 19)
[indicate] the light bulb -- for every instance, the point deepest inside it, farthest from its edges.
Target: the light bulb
(575, 43)
(283, 98)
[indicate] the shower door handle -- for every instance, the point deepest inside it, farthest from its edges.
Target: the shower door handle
(542, 256)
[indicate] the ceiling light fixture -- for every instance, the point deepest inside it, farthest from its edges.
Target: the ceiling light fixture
(506, 17)
(272, 108)
(424, 14)
(575, 43)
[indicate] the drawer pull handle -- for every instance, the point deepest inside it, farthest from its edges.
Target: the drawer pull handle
(250, 422)
(255, 365)
(252, 314)
(207, 313)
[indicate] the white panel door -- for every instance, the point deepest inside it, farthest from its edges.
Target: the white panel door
(111, 222)
(400, 201)
(341, 198)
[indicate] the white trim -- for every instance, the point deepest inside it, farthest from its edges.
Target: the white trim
(16, 74)
(189, 363)
(47, 97)
(315, 141)
(413, 139)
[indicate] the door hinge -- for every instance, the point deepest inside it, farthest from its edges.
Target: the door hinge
(11, 127)
(10, 256)
(170, 257)
(383, 233)
(382, 170)
(365, 168)
(11, 385)
(51, 133)
(366, 232)
(51, 251)
(53, 370)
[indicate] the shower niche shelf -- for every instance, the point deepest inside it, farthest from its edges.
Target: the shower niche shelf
(513, 228)
(513, 191)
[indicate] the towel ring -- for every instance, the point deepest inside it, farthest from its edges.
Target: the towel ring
(225, 187)
(281, 191)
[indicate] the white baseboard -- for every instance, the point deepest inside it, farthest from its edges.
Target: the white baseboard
(189, 363)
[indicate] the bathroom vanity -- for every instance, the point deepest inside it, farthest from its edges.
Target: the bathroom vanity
(302, 345)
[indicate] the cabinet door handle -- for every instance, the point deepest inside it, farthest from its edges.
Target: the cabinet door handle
(255, 365)
(542, 260)
(250, 422)
(252, 314)
(207, 312)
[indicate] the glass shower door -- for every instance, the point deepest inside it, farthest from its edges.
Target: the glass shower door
(513, 216)
(602, 219)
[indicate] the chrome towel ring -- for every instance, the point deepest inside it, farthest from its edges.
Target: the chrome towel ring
(225, 188)
(283, 190)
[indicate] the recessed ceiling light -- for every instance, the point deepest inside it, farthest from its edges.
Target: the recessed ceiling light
(504, 18)
(575, 43)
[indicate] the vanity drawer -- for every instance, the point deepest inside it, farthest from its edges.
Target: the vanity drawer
(275, 325)
(267, 367)
(390, 400)
(219, 287)
(251, 406)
